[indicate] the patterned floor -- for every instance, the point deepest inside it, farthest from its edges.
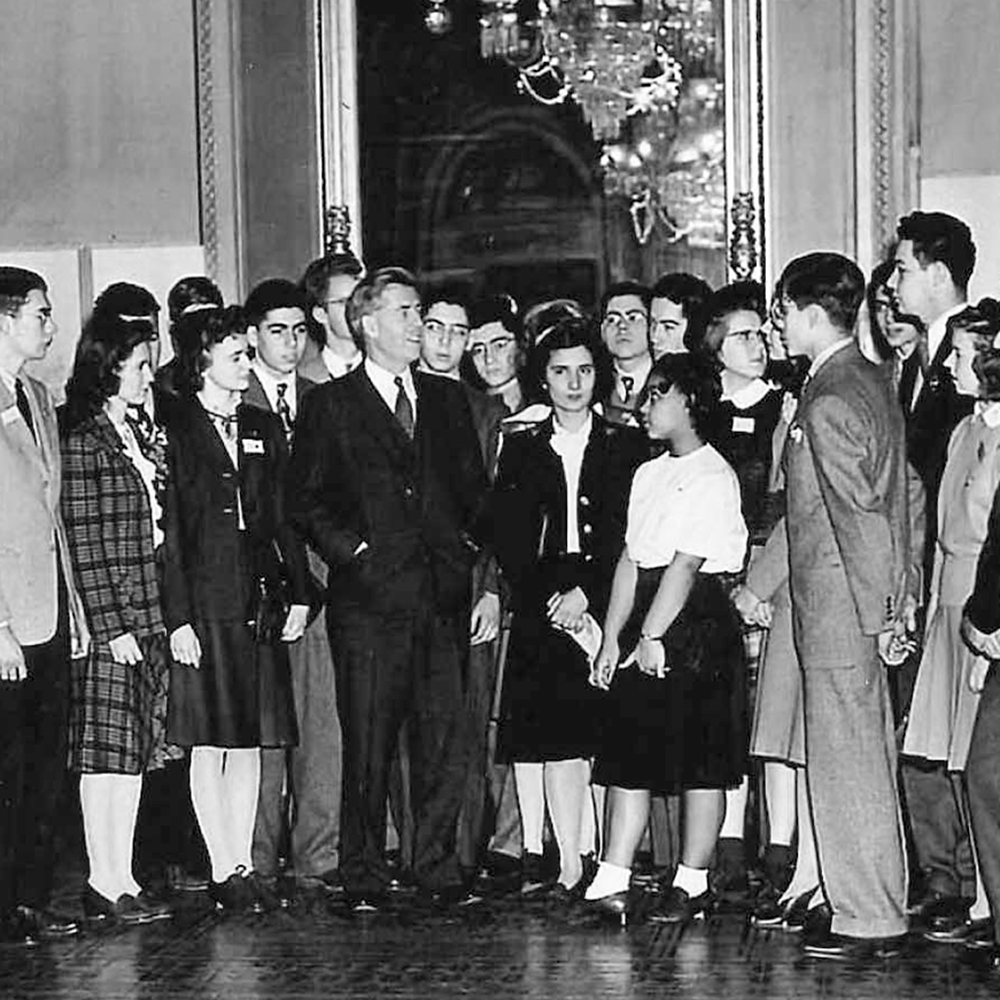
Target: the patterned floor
(504, 948)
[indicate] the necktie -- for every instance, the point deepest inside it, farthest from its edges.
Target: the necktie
(403, 409)
(284, 410)
(628, 384)
(22, 404)
(908, 381)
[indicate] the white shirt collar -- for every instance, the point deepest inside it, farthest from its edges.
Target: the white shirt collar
(827, 353)
(337, 365)
(937, 329)
(270, 382)
(9, 379)
(639, 376)
(989, 412)
(579, 436)
(385, 383)
(750, 394)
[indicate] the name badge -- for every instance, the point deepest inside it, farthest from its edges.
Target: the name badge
(9, 415)
(251, 446)
(744, 425)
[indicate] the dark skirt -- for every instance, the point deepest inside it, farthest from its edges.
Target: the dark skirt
(117, 721)
(548, 711)
(240, 696)
(688, 730)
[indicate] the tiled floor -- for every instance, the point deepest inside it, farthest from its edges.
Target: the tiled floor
(504, 948)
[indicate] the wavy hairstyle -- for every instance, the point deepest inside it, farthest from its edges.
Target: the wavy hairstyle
(568, 333)
(197, 333)
(697, 377)
(982, 322)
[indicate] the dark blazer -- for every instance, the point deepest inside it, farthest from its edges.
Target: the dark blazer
(106, 511)
(983, 606)
(356, 477)
(210, 570)
(528, 512)
(847, 517)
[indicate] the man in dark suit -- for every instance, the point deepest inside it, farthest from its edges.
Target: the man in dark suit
(387, 482)
(848, 551)
(41, 618)
(625, 332)
(934, 260)
(300, 787)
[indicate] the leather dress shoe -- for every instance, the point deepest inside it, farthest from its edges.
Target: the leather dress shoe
(235, 895)
(616, 907)
(944, 917)
(980, 935)
(817, 923)
(27, 925)
(675, 906)
(796, 912)
(768, 908)
(127, 910)
(844, 948)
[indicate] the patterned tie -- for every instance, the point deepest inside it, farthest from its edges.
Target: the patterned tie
(22, 404)
(404, 409)
(284, 410)
(628, 384)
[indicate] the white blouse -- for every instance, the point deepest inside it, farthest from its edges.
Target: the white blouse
(146, 470)
(687, 504)
(570, 446)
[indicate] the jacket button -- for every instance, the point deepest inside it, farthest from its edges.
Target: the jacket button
(227, 510)
(589, 557)
(587, 529)
(584, 501)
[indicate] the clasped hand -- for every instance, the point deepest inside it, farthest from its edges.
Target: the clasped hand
(566, 610)
(751, 608)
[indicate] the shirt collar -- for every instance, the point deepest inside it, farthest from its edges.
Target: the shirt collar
(9, 379)
(270, 381)
(578, 435)
(989, 412)
(639, 375)
(337, 365)
(750, 394)
(385, 381)
(827, 353)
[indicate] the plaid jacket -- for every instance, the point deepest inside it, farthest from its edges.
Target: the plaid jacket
(106, 511)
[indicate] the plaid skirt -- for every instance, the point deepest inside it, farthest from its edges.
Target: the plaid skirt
(118, 712)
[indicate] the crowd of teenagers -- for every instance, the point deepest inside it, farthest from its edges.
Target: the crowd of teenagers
(385, 594)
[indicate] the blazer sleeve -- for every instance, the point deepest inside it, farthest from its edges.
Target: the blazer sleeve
(177, 602)
(88, 513)
(983, 606)
(316, 473)
(839, 438)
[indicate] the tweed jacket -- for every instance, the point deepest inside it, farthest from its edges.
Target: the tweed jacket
(847, 517)
(106, 509)
(32, 535)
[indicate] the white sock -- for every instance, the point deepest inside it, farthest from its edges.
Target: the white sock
(209, 800)
(95, 805)
(529, 783)
(694, 881)
(608, 880)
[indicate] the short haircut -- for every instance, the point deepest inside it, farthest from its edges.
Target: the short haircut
(106, 343)
(16, 284)
(274, 293)
(125, 299)
(545, 316)
(697, 377)
(315, 279)
(687, 290)
(829, 280)
(937, 236)
(982, 321)
(196, 333)
(625, 288)
(194, 290)
(705, 332)
(367, 296)
(568, 333)
(454, 293)
(497, 307)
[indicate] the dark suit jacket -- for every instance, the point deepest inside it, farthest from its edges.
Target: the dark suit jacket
(210, 570)
(847, 518)
(106, 511)
(356, 477)
(528, 513)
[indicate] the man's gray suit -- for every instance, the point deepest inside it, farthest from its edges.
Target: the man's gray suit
(848, 542)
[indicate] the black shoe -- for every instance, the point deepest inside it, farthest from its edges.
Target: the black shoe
(817, 923)
(797, 912)
(501, 874)
(768, 909)
(533, 876)
(179, 880)
(980, 935)
(616, 907)
(842, 948)
(42, 925)
(152, 908)
(452, 897)
(235, 895)
(125, 910)
(954, 931)
(675, 906)
(944, 916)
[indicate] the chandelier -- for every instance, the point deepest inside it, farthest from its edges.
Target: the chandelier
(645, 75)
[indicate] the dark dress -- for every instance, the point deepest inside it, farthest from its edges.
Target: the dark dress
(688, 729)
(549, 711)
(241, 694)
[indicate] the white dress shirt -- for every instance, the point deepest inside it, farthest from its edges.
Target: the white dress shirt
(385, 384)
(570, 446)
(270, 382)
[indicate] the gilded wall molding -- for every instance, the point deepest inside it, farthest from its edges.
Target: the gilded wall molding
(207, 164)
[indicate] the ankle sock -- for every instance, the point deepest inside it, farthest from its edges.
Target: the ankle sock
(608, 880)
(694, 881)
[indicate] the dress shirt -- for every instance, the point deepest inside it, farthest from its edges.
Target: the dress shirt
(270, 382)
(336, 365)
(143, 465)
(570, 446)
(385, 384)
(638, 376)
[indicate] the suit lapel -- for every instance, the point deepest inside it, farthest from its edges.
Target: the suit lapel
(376, 417)
(255, 394)
(35, 452)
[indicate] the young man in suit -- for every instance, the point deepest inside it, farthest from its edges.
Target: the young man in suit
(625, 332)
(41, 618)
(934, 260)
(849, 562)
(308, 816)
(387, 482)
(331, 351)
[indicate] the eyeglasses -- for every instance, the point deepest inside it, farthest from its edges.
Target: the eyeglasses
(747, 336)
(634, 317)
(491, 348)
(451, 331)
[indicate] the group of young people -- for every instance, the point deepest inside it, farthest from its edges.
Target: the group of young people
(364, 547)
